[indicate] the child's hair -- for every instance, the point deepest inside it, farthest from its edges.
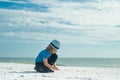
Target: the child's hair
(50, 49)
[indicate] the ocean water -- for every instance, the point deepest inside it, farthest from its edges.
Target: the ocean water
(82, 62)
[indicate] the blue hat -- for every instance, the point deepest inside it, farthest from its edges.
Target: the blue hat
(55, 44)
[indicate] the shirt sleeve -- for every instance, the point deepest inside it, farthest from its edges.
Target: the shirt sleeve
(45, 56)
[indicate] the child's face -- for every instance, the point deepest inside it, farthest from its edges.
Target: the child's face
(54, 51)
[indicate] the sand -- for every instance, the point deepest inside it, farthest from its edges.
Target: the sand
(17, 71)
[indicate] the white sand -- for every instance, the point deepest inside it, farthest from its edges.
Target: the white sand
(16, 71)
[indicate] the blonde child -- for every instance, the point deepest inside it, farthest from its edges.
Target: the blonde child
(45, 61)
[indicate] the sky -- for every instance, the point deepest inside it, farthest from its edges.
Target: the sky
(85, 28)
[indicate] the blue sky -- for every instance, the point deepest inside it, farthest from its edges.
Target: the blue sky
(85, 28)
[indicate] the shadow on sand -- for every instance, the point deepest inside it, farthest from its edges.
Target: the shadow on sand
(26, 72)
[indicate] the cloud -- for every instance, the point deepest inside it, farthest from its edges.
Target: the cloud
(16, 5)
(16, 1)
(94, 22)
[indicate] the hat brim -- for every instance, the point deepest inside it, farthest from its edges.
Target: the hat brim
(53, 46)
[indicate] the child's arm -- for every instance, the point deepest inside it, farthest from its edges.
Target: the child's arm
(55, 67)
(47, 64)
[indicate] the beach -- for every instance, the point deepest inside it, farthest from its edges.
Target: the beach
(20, 71)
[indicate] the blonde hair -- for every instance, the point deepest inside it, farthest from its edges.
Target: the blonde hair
(50, 49)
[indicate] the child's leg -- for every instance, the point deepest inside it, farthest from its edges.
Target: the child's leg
(52, 59)
(41, 68)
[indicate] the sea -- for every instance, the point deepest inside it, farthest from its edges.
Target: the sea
(78, 62)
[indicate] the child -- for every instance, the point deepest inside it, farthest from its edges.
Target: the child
(45, 61)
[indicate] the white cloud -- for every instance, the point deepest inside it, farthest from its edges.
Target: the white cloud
(80, 23)
(88, 13)
(38, 37)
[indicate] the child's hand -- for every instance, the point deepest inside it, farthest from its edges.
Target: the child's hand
(55, 68)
